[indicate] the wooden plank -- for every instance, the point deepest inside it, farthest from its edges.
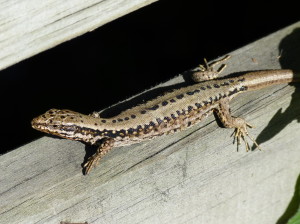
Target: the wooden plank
(30, 27)
(195, 176)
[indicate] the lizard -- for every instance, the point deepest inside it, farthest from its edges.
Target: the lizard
(170, 112)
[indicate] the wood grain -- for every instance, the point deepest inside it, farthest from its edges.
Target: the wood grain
(195, 176)
(30, 27)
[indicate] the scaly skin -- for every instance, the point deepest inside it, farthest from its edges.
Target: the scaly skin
(169, 113)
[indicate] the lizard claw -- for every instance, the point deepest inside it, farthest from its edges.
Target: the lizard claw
(92, 162)
(240, 133)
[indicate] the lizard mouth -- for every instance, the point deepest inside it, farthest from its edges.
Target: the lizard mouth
(36, 124)
(40, 124)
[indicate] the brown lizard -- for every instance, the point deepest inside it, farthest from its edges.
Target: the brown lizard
(173, 111)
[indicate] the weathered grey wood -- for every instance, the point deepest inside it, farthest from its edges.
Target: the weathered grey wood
(195, 176)
(30, 27)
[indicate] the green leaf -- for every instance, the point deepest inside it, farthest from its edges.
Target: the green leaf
(295, 219)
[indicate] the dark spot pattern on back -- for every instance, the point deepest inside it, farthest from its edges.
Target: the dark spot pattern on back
(224, 84)
(159, 121)
(164, 103)
(130, 131)
(190, 93)
(152, 123)
(180, 96)
(139, 127)
(233, 92)
(243, 88)
(155, 107)
(166, 118)
(198, 105)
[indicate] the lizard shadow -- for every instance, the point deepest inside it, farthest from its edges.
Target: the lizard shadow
(289, 59)
(290, 48)
(293, 206)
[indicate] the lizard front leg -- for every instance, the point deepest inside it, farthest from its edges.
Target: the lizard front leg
(104, 148)
(239, 124)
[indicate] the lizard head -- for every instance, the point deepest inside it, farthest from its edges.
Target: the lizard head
(63, 123)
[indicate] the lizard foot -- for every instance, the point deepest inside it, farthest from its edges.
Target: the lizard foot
(92, 162)
(207, 72)
(240, 133)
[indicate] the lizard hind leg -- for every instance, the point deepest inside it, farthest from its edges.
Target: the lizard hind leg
(207, 72)
(213, 64)
(239, 124)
